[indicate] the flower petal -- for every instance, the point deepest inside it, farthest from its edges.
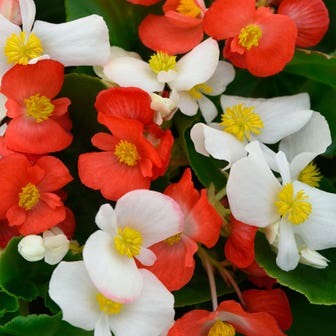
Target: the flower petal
(28, 11)
(208, 109)
(187, 103)
(106, 219)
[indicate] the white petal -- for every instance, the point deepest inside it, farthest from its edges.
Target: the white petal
(129, 71)
(153, 214)
(312, 258)
(166, 76)
(28, 11)
(106, 219)
(114, 275)
(71, 288)
(149, 315)
(314, 137)
(197, 137)
(283, 167)
(300, 162)
(84, 41)
(57, 246)
(252, 189)
(146, 257)
(31, 247)
(319, 230)
(187, 103)
(288, 255)
(102, 327)
(223, 75)
(204, 58)
(208, 109)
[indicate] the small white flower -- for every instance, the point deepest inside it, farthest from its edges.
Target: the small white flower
(164, 108)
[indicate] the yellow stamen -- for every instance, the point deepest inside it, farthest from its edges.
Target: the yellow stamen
(197, 89)
(108, 306)
(249, 36)
(241, 121)
(20, 50)
(173, 239)
(128, 242)
(188, 8)
(126, 153)
(293, 208)
(222, 329)
(29, 196)
(310, 175)
(39, 107)
(161, 61)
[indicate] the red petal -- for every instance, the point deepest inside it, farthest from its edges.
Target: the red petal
(68, 225)
(158, 33)
(144, 2)
(311, 18)
(273, 301)
(258, 276)
(6, 233)
(104, 141)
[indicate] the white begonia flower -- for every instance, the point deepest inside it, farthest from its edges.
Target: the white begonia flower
(304, 215)
(140, 219)
(80, 42)
(164, 108)
(151, 313)
(248, 119)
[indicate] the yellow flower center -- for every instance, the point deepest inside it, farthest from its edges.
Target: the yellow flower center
(310, 175)
(29, 196)
(241, 121)
(249, 36)
(222, 329)
(188, 8)
(39, 107)
(161, 61)
(292, 207)
(197, 89)
(126, 153)
(20, 50)
(108, 306)
(128, 242)
(173, 239)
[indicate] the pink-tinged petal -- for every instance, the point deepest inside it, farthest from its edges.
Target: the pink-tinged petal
(273, 301)
(153, 214)
(174, 259)
(69, 284)
(158, 33)
(106, 219)
(249, 324)
(239, 247)
(311, 18)
(114, 275)
(125, 102)
(151, 313)
(235, 14)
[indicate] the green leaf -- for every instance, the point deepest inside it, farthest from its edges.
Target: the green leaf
(318, 285)
(8, 303)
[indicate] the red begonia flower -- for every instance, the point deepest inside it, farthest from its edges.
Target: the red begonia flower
(311, 18)
(29, 201)
(40, 123)
(257, 39)
(228, 317)
(7, 233)
(178, 31)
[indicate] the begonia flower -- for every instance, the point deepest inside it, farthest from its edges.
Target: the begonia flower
(40, 124)
(247, 119)
(295, 213)
(140, 219)
(228, 318)
(29, 201)
(256, 39)
(80, 42)
(178, 30)
(202, 224)
(150, 314)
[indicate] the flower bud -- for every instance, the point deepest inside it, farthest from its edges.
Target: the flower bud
(31, 247)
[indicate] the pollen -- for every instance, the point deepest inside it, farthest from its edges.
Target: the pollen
(161, 61)
(188, 8)
(249, 36)
(173, 239)
(20, 49)
(294, 208)
(240, 121)
(29, 196)
(126, 153)
(222, 329)
(39, 107)
(311, 175)
(128, 242)
(196, 91)
(108, 306)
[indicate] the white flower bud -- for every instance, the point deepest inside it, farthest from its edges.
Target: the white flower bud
(164, 108)
(312, 258)
(31, 247)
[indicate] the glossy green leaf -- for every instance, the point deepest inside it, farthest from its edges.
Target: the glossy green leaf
(8, 303)
(318, 285)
